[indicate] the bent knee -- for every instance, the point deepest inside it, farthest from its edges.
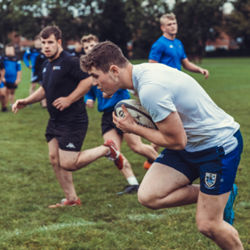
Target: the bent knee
(147, 200)
(208, 228)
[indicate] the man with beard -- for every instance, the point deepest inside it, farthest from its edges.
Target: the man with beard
(64, 85)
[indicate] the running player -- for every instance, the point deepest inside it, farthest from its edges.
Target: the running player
(109, 130)
(38, 72)
(200, 139)
(64, 85)
(29, 59)
(12, 66)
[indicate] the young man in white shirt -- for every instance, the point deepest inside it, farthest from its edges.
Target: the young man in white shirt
(200, 139)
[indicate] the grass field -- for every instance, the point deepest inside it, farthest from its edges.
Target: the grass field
(106, 221)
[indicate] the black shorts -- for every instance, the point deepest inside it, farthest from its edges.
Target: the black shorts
(107, 123)
(9, 85)
(68, 139)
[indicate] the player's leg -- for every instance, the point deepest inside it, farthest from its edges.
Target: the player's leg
(147, 164)
(3, 97)
(217, 176)
(64, 177)
(164, 187)
(126, 170)
(12, 96)
(135, 143)
(209, 219)
(32, 88)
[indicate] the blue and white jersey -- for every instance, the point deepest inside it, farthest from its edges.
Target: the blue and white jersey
(162, 90)
(11, 65)
(106, 104)
(30, 55)
(168, 52)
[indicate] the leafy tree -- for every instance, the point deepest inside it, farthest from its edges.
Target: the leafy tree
(198, 21)
(142, 17)
(238, 22)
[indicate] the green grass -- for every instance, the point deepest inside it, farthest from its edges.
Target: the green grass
(106, 221)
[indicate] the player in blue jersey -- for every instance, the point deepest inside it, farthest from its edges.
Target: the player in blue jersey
(109, 130)
(3, 90)
(12, 66)
(200, 139)
(170, 51)
(29, 59)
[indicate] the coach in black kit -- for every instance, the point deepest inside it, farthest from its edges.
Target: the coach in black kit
(64, 85)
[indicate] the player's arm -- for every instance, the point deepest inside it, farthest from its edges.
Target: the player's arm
(2, 72)
(171, 133)
(82, 88)
(194, 68)
(152, 61)
(90, 98)
(18, 78)
(37, 96)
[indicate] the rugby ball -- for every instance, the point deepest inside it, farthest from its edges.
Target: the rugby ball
(136, 110)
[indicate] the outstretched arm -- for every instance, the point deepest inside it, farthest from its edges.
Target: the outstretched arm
(194, 68)
(171, 133)
(82, 89)
(37, 96)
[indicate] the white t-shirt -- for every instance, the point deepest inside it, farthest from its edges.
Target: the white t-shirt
(162, 90)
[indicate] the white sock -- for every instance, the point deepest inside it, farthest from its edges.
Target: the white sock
(132, 180)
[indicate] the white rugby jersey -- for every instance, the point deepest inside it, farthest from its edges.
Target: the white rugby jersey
(162, 90)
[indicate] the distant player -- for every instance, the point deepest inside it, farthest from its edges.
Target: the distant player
(64, 85)
(3, 90)
(170, 51)
(78, 50)
(29, 58)
(109, 130)
(200, 140)
(38, 72)
(12, 66)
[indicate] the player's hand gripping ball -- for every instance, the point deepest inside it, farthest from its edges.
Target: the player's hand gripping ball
(135, 109)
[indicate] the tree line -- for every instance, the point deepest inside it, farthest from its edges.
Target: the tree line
(121, 21)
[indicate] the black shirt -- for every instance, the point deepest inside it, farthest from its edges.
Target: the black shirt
(60, 79)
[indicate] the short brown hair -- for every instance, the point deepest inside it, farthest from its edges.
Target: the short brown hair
(49, 30)
(102, 56)
(89, 38)
(170, 16)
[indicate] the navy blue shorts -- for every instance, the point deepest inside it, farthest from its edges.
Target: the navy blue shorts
(216, 170)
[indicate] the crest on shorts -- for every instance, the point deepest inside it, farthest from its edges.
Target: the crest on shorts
(210, 179)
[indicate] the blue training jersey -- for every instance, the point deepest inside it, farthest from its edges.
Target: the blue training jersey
(11, 65)
(168, 52)
(31, 54)
(106, 104)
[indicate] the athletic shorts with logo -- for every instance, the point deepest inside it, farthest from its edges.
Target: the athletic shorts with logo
(216, 170)
(107, 123)
(69, 139)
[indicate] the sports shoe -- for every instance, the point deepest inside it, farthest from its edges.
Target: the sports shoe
(228, 211)
(65, 202)
(129, 189)
(114, 154)
(147, 165)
